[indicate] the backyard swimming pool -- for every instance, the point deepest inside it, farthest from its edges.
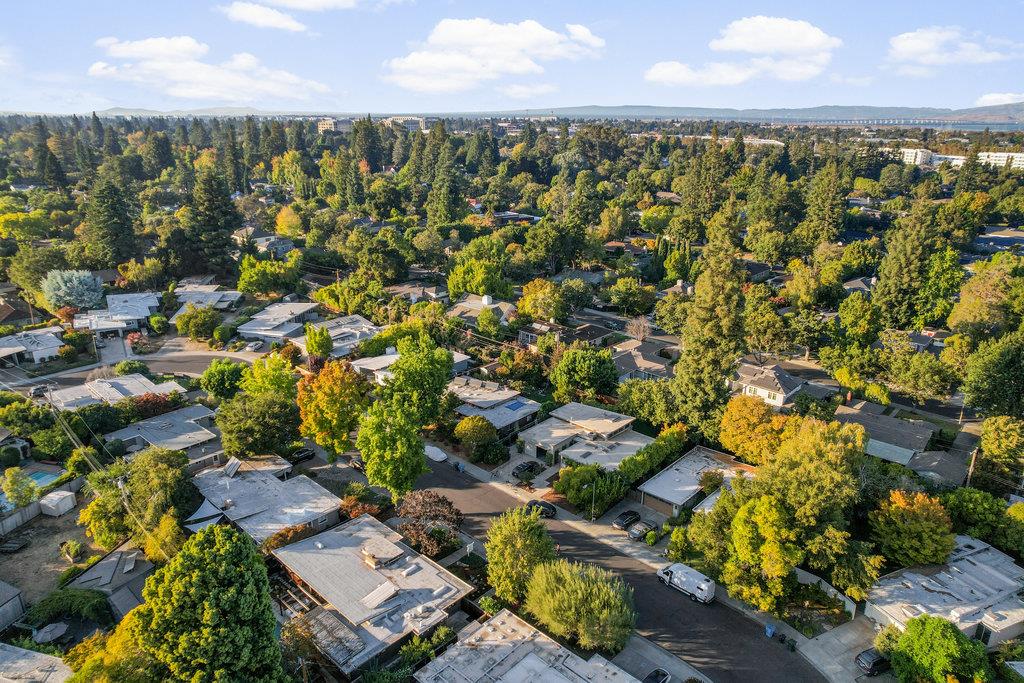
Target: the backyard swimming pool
(41, 479)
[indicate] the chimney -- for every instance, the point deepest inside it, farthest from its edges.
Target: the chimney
(486, 300)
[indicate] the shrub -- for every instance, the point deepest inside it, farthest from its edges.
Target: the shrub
(286, 536)
(70, 602)
(223, 333)
(589, 604)
(79, 340)
(651, 538)
(9, 457)
(158, 323)
(591, 488)
(490, 605)
(291, 353)
(67, 353)
(677, 544)
(131, 367)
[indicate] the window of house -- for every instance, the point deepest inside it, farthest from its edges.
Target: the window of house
(772, 396)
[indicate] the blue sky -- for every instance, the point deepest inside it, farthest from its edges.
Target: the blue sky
(456, 55)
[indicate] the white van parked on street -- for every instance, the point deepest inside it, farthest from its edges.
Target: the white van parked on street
(688, 580)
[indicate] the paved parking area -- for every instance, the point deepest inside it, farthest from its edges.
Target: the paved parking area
(835, 650)
(640, 657)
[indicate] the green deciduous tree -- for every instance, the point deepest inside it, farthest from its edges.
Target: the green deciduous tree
(516, 544)
(419, 377)
(584, 373)
(207, 615)
(19, 488)
(764, 553)
(391, 446)
(272, 374)
(222, 377)
(590, 605)
(198, 322)
(933, 649)
(912, 529)
(257, 424)
(542, 300)
(994, 382)
(330, 405)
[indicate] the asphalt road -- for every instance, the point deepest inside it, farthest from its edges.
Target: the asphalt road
(719, 641)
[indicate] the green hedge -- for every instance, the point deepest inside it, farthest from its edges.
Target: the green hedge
(669, 445)
(70, 602)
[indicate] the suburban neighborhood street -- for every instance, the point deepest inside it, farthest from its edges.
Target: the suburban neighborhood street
(722, 643)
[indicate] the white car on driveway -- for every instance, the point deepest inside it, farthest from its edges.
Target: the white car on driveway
(254, 346)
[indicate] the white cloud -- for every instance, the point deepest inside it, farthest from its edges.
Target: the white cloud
(994, 98)
(917, 53)
(173, 66)
(525, 91)
(773, 35)
(461, 54)
(785, 49)
(715, 73)
(262, 17)
(314, 5)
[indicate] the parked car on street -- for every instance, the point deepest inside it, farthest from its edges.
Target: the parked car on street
(657, 676)
(688, 580)
(626, 519)
(639, 531)
(546, 509)
(872, 662)
(527, 470)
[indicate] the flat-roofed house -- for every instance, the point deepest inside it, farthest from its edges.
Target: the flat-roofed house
(124, 313)
(377, 368)
(516, 652)
(978, 589)
(110, 390)
(278, 322)
(584, 434)
(372, 591)
(19, 664)
(889, 438)
(346, 333)
(677, 487)
(505, 408)
(261, 504)
(189, 429)
(416, 290)
(32, 346)
(205, 296)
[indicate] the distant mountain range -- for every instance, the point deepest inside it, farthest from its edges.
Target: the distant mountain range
(998, 114)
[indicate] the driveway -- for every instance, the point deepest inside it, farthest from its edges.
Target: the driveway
(720, 642)
(640, 657)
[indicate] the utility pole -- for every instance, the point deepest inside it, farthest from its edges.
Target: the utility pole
(970, 468)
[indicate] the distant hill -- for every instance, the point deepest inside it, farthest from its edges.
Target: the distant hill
(1003, 113)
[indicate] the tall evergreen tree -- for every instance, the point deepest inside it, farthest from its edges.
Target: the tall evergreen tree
(212, 219)
(825, 208)
(968, 177)
(443, 202)
(108, 231)
(903, 272)
(712, 336)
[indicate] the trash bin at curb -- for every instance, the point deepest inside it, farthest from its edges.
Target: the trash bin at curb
(769, 630)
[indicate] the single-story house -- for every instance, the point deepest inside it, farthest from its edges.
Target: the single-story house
(505, 408)
(120, 575)
(681, 287)
(190, 429)
(346, 333)
(416, 291)
(677, 487)
(377, 368)
(518, 653)
(587, 333)
(469, 306)
(15, 311)
(889, 438)
(864, 285)
(9, 440)
(373, 591)
(636, 359)
(205, 296)
(110, 390)
(757, 271)
(584, 434)
(278, 322)
(261, 504)
(19, 664)
(124, 312)
(977, 589)
(264, 242)
(594, 278)
(32, 346)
